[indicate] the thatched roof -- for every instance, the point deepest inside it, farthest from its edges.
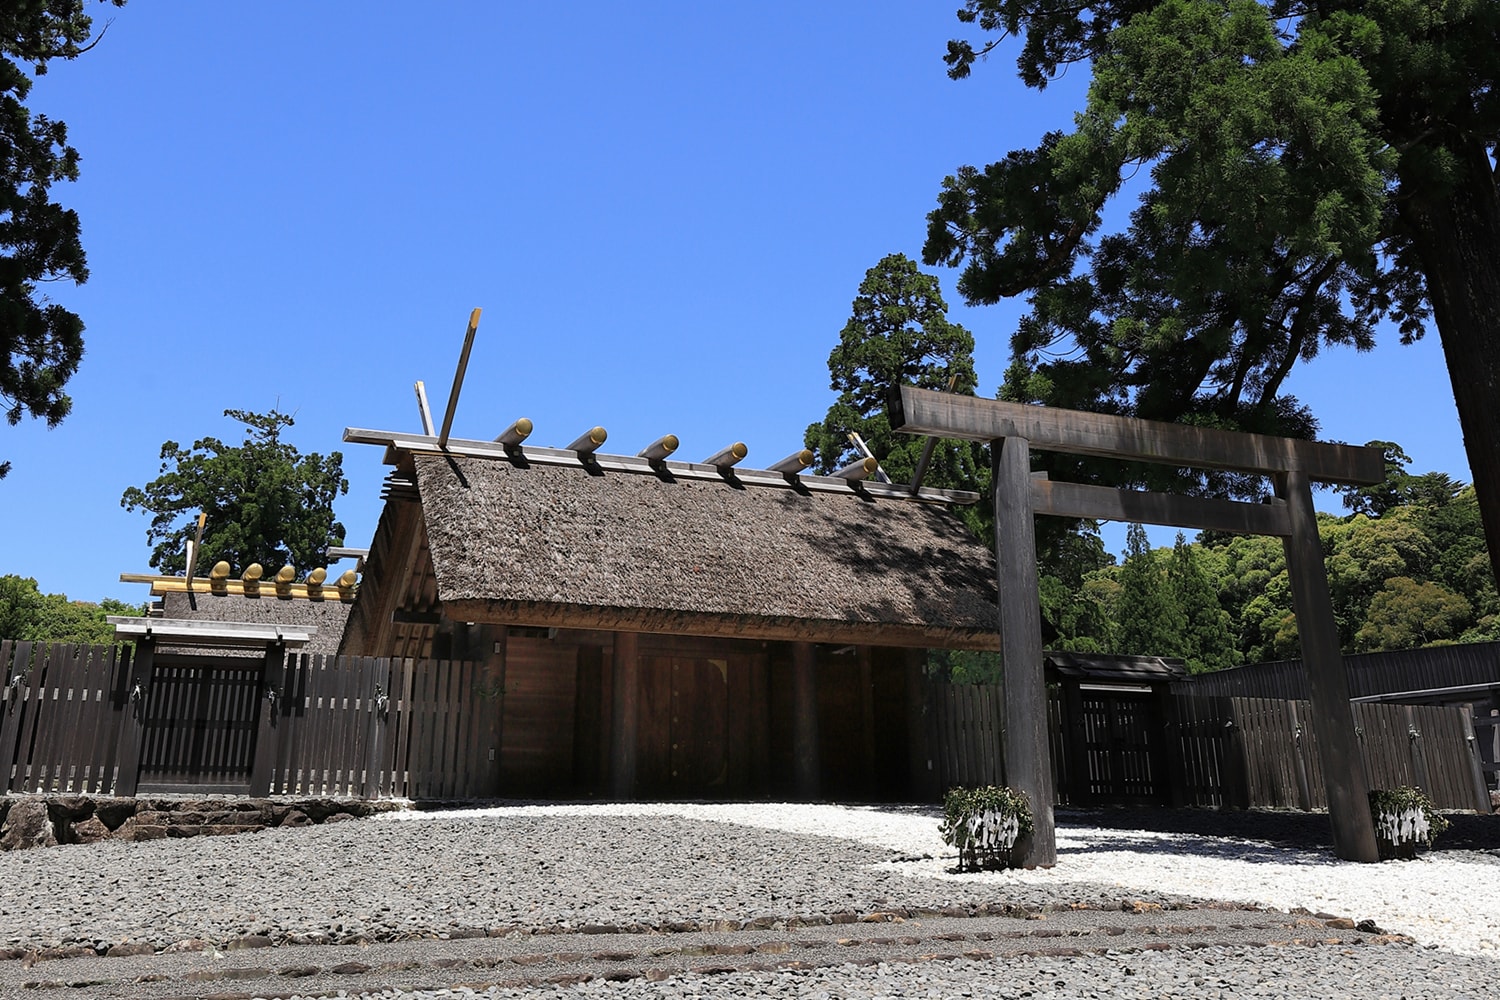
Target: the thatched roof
(327, 615)
(1104, 667)
(531, 543)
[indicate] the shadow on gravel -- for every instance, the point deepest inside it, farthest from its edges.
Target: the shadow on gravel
(1189, 845)
(1310, 832)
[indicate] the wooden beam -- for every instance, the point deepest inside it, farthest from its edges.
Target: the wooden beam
(625, 715)
(1328, 685)
(407, 444)
(1104, 435)
(806, 766)
(547, 614)
(194, 546)
(1205, 514)
(423, 410)
(401, 616)
(458, 379)
(202, 632)
(1028, 767)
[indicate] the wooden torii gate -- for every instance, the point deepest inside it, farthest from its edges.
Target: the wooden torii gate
(1013, 429)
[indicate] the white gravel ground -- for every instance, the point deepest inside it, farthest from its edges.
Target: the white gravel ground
(1441, 900)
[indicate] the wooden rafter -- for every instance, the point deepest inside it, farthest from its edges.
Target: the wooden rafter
(398, 445)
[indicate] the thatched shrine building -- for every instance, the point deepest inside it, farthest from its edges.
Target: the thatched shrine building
(670, 629)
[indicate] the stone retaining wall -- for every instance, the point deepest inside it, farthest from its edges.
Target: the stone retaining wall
(46, 821)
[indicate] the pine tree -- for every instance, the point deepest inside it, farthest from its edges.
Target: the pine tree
(1207, 643)
(1151, 623)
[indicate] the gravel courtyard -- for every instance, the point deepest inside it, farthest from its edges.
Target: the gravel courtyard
(629, 900)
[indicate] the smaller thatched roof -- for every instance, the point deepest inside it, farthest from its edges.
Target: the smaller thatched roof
(328, 616)
(1105, 668)
(546, 544)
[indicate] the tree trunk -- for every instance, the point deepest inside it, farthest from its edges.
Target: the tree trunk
(1456, 233)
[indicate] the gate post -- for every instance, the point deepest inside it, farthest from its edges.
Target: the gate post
(136, 694)
(1025, 689)
(269, 727)
(1332, 718)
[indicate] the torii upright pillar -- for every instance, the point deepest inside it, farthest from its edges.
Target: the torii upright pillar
(1028, 767)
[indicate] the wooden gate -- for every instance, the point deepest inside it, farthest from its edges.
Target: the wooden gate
(199, 727)
(1119, 738)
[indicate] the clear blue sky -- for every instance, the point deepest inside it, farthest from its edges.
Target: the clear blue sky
(663, 209)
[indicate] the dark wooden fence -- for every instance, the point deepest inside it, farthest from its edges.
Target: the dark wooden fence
(1370, 674)
(964, 729)
(72, 721)
(1225, 751)
(1262, 753)
(338, 726)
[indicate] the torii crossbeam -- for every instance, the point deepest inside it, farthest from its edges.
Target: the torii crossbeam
(1013, 429)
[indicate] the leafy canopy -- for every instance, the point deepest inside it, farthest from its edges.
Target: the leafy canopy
(265, 502)
(29, 615)
(41, 343)
(1278, 152)
(1416, 575)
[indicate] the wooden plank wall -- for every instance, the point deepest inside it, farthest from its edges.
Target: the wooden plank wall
(1262, 752)
(965, 725)
(1241, 752)
(61, 708)
(344, 726)
(421, 729)
(377, 726)
(1369, 673)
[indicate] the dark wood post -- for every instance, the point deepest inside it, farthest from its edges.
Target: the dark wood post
(1476, 765)
(136, 694)
(1025, 689)
(268, 731)
(920, 786)
(805, 720)
(1420, 776)
(872, 778)
(1172, 752)
(377, 740)
(1299, 735)
(1236, 773)
(1332, 718)
(492, 672)
(625, 717)
(10, 722)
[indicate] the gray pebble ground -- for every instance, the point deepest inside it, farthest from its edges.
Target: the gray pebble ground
(673, 871)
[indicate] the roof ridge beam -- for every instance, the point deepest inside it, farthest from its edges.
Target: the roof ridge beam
(521, 455)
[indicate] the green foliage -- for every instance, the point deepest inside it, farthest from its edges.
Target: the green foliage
(1150, 622)
(1417, 574)
(41, 343)
(1404, 818)
(31, 616)
(265, 501)
(898, 334)
(1206, 642)
(1408, 613)
(984, 824)
(1302, 174)
(965, 666)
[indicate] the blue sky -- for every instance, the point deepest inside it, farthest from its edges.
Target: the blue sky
(664, 212)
